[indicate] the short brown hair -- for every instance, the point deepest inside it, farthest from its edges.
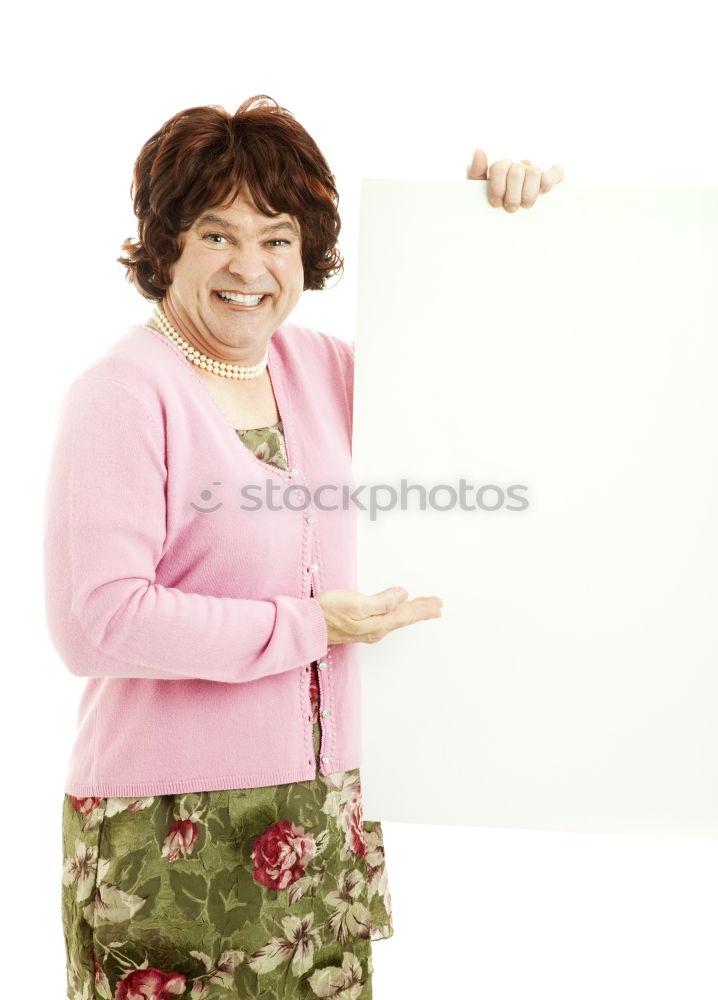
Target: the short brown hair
(201, 157)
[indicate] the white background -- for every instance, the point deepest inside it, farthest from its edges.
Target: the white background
(616, 94)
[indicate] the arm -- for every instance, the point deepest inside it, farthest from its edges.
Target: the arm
(105, 521)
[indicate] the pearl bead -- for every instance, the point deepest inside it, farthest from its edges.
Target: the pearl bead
(201, 360)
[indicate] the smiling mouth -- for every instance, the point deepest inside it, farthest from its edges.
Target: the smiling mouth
(242, 302)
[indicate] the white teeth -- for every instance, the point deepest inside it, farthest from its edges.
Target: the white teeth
(241, 300)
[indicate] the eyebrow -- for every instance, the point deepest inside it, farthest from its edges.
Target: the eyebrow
(217, 220)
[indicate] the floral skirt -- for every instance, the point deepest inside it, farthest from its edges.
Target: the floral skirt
(253, 892)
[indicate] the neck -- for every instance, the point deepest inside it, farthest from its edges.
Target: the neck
(225, 369)
(166, 307)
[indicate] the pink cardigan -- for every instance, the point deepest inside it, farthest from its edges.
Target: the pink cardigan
(179, 593)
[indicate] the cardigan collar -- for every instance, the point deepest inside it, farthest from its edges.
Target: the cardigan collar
(274, 366)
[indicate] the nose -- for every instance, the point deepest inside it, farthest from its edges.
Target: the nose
(246, 264)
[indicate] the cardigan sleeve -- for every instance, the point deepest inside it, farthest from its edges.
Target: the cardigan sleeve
(104, 532)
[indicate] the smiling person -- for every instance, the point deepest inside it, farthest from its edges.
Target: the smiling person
(213, 832)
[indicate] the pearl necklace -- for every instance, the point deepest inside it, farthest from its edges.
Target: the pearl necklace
(225, 368)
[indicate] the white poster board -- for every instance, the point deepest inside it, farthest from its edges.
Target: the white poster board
(568, 351)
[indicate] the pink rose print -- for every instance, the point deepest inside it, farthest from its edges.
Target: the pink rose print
(314, 694)
(352, 820)
(180, 839)
(150, 984)
(282, 854)
(84, 806)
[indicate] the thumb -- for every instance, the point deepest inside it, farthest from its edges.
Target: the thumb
(477, 170)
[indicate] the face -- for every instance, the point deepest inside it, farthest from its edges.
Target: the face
(230, 251)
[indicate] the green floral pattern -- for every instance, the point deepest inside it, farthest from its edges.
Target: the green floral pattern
(267, 443)
(265, 893)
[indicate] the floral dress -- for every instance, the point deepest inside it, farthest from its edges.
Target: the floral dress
(269, 893)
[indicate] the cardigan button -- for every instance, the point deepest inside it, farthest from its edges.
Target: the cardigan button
(309, 519)
(295, 472)
(325, 759)
(322, 665)
(314, 567)
(325, 713)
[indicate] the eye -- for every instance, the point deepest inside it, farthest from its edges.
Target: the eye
(288, 242)
(214, 236)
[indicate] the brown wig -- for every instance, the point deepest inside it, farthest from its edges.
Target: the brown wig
(201, 158)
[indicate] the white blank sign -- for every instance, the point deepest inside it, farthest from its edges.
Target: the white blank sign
(562, 361)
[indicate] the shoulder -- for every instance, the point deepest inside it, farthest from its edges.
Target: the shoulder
(303, 346)
(132, 372)
(132, 356)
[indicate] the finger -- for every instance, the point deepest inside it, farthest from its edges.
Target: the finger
(406, 613)
(379, 604)
(514, 187)
(430, 607)
(476, 170)
(554, 175)
(496, 187)
(527, 162)
(532, 186)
